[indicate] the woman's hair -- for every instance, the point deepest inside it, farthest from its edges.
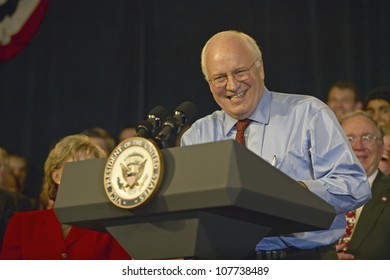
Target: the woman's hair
(69, 148)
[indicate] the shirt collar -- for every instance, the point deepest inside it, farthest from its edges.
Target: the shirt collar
(372, 177)
(262, 112)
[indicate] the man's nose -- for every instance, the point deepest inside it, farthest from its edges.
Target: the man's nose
(376, 116)
(232, 84)
(358, 144)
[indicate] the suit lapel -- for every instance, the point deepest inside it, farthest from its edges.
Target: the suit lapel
(371, 211)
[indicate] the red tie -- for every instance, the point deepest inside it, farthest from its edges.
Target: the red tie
(351, 219)
(241, 126)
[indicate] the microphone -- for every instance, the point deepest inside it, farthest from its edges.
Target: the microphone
(172, 124)
(148, 128)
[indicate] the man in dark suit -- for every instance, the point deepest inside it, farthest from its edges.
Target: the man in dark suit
(371, 234)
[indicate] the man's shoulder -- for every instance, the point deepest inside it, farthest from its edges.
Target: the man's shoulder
(297, 102)
(383, 179)
(215, 116)
(294, 98)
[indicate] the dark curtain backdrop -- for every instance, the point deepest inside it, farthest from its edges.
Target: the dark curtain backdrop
(108, 63)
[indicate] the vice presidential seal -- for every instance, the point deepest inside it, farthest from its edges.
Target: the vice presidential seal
(133, 172)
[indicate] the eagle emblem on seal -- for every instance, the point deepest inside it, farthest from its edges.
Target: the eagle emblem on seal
(132, 170)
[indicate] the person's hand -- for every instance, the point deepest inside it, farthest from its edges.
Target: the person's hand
(341, 254)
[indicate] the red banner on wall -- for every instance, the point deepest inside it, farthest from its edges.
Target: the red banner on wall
(19, 20)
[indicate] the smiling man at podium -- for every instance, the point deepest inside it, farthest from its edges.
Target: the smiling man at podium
(297, 134)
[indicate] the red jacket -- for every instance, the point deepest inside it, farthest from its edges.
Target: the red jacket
(37, 235)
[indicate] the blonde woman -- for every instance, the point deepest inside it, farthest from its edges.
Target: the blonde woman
(39, 234)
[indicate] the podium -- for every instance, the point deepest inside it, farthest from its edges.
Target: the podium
(215, 201)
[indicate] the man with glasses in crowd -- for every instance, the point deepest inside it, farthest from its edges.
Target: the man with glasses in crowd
(369, 236)
(298, 134)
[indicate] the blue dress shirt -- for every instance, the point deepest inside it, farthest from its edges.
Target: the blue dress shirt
(300, 135)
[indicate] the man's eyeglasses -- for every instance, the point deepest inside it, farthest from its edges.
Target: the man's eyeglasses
(239, 75)
(365, 139)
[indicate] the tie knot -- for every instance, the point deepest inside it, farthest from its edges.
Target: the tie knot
(242, 124)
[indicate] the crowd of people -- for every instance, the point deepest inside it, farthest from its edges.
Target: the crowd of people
(338, 149)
